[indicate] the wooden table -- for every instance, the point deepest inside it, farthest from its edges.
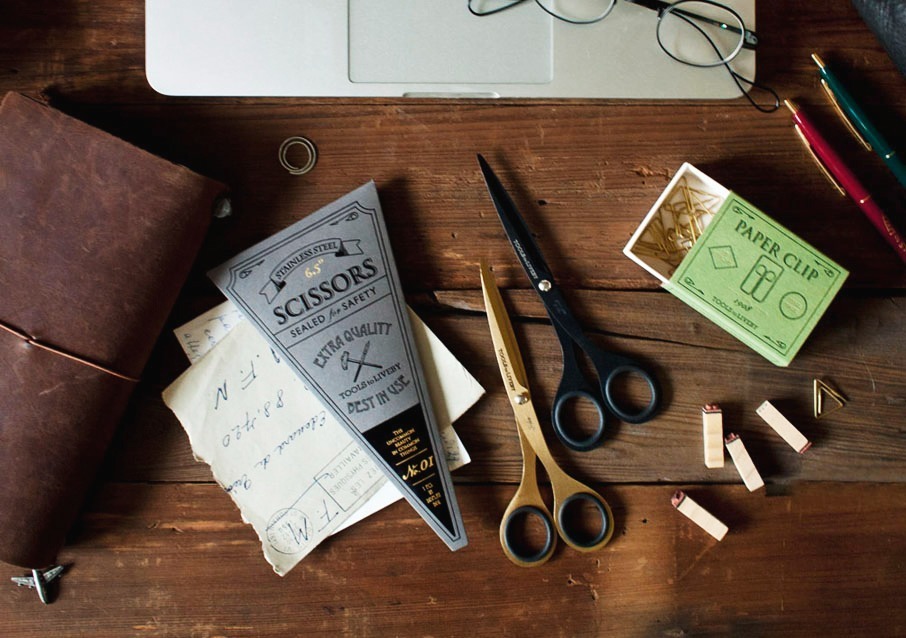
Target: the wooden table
(160, 549)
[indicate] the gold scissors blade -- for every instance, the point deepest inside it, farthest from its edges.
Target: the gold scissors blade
(509, 358)
(531, 439)
(512, 369)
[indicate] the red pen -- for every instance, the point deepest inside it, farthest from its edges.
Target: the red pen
(845, 181)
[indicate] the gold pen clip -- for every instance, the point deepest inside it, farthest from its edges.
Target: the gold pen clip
(820, 164)
(843, 116)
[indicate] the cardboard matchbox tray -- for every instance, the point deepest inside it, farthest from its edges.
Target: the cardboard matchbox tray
(735, 265)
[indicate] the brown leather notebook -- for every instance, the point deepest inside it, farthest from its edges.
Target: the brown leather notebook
(96, 239)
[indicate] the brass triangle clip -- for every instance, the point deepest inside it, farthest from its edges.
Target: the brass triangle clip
(821, 389)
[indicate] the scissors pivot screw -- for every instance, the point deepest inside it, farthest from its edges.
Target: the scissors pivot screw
(544, 285)
(521, 399)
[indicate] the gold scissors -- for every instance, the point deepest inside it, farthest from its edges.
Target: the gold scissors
(569, 494)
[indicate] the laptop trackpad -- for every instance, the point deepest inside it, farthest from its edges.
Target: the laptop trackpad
(439, 41)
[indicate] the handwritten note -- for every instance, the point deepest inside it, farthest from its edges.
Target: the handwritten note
(293, 471)
(200, 335)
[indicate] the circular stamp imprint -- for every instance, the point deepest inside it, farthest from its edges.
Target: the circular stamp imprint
(289, 530)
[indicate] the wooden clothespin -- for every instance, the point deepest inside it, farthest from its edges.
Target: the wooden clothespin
(782, 426)
(698, 515)
(743, 462)
(713, 435)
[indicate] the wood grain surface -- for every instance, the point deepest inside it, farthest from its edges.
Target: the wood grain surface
(175, 560)
(160, 550)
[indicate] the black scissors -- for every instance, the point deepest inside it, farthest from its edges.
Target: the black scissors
(609, 366)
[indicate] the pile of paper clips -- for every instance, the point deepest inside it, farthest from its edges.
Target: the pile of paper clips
(678, 224)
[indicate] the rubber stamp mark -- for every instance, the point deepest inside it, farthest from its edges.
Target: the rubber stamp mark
(289, 530)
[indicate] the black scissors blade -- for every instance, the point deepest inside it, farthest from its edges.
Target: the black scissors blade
(518, 233)
(530, 257)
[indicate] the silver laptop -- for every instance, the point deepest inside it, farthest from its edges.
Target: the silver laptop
(417, 48)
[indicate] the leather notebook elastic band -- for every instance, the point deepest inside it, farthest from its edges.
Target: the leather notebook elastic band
(68, 355)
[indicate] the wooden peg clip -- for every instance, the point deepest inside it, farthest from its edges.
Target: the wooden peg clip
(782, 426)
(743, 462)
(713, 435)
(699, 515)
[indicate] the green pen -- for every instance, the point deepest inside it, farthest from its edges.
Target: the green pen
(857, 121)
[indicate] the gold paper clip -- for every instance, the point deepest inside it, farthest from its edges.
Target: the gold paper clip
(820, 388)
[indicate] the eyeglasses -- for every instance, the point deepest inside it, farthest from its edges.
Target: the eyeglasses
(699, 33)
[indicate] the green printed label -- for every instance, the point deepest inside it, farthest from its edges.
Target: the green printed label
(757, 280)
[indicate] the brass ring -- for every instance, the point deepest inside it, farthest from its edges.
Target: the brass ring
(309, 147)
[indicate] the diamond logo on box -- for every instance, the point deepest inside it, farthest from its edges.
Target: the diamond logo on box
(723, 257)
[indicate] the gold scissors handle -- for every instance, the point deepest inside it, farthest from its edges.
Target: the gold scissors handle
(568, 494)
(527, 502)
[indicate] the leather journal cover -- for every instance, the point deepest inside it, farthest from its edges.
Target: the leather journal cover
(96, 239)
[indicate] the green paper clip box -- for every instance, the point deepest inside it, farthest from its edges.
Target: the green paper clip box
(735, 265)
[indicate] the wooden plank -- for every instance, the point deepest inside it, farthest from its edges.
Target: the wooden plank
(581, 170)
(583, 187)
(696, 363)
(873, 322)
(177, 561)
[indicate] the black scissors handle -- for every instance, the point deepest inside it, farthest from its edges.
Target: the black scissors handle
(511, 537)
(576, 386)
(608, 367)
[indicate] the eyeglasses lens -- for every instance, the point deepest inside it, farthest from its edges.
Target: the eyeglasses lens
(700, 33)
(578, 11)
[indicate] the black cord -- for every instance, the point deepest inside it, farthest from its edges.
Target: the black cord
(493, 11)
(737, 78)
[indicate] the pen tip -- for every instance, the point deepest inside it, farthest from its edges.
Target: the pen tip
(818, 60)
(792, 106)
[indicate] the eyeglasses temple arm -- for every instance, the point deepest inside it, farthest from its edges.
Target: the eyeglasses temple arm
(481, 14)
(749, 37)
